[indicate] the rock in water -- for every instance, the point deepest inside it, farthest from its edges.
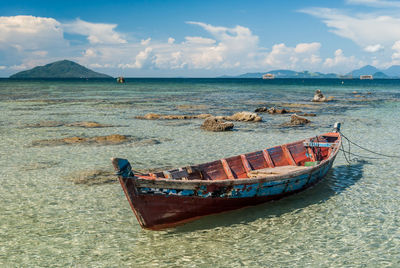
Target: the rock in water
(214, 124)
(261, 110)
(244, 116)
(274, 110)
(87, 124)
(154, 116)
(113, 139)
(319, 97)
(296, 120)
(309, 114)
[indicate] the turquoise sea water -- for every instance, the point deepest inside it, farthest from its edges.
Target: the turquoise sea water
(350, 219)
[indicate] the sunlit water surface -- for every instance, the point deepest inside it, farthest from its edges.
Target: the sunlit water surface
(349, 219)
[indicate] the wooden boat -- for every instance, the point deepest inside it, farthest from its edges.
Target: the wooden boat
(166, 199)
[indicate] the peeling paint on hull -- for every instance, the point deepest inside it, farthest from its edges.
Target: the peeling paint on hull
(169, 198)
(159, 208)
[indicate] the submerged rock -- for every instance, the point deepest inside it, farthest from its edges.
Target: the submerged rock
(154, 116)
(203, 116)
(149, 116)
(214, 124)
(85, 124)
(40, 165)
(242, 116)
(261, 109)
(192, 107)
(297, 105)
(296, 120)
(46, 124)
(274, 110)
(145, 142)
(309, 114)
(98, 140)
(92, 177)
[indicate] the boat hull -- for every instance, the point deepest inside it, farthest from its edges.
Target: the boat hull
(158, 205)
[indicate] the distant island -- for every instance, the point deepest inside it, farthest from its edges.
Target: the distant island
(60, 69)
(390, 73)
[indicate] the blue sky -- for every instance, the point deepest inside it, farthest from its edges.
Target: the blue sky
(200, 38)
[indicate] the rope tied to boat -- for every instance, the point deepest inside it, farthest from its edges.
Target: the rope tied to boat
(347, 154)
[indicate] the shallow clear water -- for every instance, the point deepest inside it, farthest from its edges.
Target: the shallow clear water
(349, 219)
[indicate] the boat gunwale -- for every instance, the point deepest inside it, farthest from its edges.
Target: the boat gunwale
(142, 181)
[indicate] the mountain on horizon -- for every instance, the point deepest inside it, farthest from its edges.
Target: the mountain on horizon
(60, 69)
(391, 72)
(366, 70)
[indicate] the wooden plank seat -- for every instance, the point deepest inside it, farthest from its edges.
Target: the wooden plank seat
(274, 171)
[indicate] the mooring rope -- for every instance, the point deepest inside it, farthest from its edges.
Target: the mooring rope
(348, 160)
(357, 155)
(366, 149)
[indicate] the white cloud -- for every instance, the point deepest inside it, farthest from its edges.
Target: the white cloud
(374, 48)
(199, 40)
(364, 29)
(396, 48)
(341, 62)
(2, 67)
(97, 33)
(90, 52)
(29, 32)
(303, 55)
(307, 47)
(145, 42)
(171, 40)
(141, 59)
(230, 48)
(37, 41)
(40, 53)
(233, 46)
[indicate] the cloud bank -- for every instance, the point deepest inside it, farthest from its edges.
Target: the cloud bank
(28, 41)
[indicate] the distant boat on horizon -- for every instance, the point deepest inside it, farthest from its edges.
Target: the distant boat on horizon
(120, 80)
(366, 77)
(268, 76)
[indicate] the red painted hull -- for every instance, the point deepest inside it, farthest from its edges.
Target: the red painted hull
(168, 199)
(156, 212)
